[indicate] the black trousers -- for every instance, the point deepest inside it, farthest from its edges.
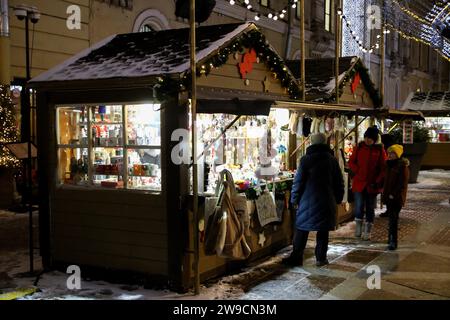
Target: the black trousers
(301, 238)
(393, 210)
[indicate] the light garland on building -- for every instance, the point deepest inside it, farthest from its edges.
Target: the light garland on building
(273, 14)
(412, 27)
(357, 38)
(410, 13)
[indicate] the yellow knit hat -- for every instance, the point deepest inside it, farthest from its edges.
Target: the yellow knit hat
(397, 149)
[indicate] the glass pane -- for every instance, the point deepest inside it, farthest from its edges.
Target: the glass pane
(327, 23)
(107, 126)
(144, 169)
(72, 126)
(73, 166)
(108, 167)
(144, 125)
(327, 7)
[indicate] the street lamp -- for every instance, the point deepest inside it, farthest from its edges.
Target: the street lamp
(29, 14)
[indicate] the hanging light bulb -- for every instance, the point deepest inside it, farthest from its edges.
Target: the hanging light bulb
(232, 2)
(275, 18)
(281, 15)
(294, 6)
(249, 6)
(247, 1)
(339, 12)
(270, 15)
(257, 17)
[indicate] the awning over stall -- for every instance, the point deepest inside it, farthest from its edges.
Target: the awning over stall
(429, 103)
(235, 106)
(393, 114)
(318, 108)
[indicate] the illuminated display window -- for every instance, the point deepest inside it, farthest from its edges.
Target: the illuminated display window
(110, 146)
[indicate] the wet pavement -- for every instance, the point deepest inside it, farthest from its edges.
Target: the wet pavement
(419, 269)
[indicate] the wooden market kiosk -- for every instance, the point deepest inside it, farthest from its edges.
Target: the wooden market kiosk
(435, 107)
(111, 196)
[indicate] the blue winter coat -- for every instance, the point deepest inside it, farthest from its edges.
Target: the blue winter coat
(318, 188)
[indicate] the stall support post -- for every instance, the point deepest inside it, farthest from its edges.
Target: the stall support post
(383, 58)
(194, 148)
(337, 45)
(302, 49)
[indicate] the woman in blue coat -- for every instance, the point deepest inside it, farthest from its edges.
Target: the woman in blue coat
(318, 188)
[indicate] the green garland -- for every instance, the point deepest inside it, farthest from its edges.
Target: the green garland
(168, 87)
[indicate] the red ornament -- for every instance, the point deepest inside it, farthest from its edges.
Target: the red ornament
(355, 82)
(246, 66)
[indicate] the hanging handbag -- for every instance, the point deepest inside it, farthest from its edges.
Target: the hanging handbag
(266, 208)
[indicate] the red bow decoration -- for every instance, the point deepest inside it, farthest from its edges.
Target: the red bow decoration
(246, 66)
(355, 82)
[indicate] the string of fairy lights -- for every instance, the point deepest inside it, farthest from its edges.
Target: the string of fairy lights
(272, 14)
(8, 132)
(281, 14)
(357, 38)
(399, 19)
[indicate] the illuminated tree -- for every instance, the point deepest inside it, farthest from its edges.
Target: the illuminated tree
(8, 129)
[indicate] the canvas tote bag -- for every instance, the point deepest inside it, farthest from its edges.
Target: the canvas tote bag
(225, 231)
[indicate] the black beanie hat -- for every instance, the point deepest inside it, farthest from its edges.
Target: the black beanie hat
(372, 133)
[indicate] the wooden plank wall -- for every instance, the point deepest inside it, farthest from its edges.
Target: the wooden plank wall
(110, 229)
(360, 97)
(228, 76)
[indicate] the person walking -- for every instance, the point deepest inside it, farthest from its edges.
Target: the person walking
(367, 164)
(318, 188)
(395, 189)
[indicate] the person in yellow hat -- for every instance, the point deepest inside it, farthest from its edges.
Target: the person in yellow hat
(395, 189)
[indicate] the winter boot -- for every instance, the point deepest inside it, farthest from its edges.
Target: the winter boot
(392, 235)
(384, 214)
(294, 260)
(366, 231)
(392, 242)
(358, 229)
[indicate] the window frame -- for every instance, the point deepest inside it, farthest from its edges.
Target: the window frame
(91, 147)
(328, 5)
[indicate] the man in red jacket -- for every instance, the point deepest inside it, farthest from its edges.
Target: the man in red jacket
(367, 163)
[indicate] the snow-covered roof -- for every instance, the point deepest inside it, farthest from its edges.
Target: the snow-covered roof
(428, 101)
(143, 54)
(320, 75)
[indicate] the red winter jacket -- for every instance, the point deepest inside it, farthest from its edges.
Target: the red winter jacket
(368, 164)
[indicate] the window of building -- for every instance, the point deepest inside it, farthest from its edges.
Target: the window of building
(328, 20)
(110, 146)
(150, 20)
(265, 3)
(128, 4)
(146, 28)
